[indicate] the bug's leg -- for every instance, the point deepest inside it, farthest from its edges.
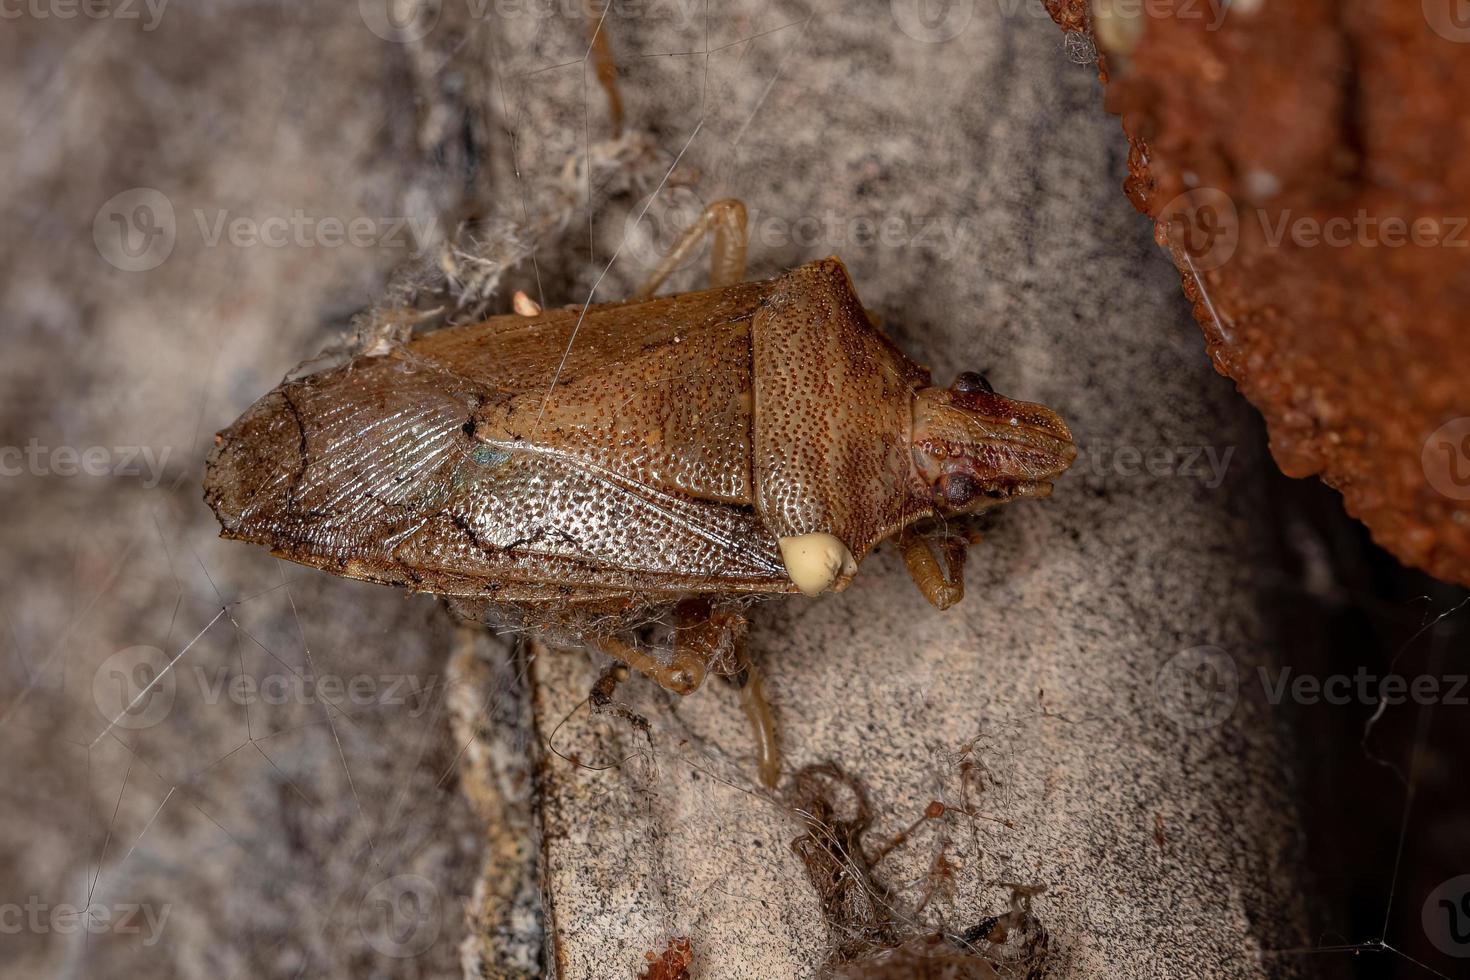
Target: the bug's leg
(703, 636)
(682, 674)
(724, 221)
(942, 589)
(605, 64)
(758, 711)
(719, 635)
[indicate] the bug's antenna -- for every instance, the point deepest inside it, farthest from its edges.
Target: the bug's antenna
(600, 51)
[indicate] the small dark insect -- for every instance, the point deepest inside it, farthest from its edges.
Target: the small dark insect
(585, 471)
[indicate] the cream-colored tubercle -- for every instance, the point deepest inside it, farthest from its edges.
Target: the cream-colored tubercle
(524, 305)
(814, 561)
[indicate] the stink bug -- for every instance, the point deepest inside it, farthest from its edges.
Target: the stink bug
(585, 471)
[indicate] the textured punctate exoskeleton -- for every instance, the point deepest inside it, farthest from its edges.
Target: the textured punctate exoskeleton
(694, 451)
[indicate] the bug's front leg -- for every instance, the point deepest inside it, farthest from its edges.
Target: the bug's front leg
(942, 586)
(701, 636)
(683, 674)
(724, 221)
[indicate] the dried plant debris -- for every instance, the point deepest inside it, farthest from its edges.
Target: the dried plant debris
(873, 937)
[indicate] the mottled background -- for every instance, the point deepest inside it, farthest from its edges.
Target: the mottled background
(330, 781)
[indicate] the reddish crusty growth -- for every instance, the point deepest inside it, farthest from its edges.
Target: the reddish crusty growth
(1322, 231)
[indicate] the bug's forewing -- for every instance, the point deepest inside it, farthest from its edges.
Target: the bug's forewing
(658, 392)
(833, 413)
(392, 468)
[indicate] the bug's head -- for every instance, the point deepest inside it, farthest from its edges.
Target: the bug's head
(974, 449)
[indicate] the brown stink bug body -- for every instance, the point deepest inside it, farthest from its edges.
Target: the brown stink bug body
(587, 470)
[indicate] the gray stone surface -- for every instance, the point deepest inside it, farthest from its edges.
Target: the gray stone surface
(987, 173)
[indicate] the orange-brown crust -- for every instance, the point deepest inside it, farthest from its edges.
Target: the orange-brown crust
(1300, 114)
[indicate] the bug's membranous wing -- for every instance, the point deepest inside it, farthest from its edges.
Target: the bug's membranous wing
(333, 468)
(371, 470)
(833, 414)
(657, 392)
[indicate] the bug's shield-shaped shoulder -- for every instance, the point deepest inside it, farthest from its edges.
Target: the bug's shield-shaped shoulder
(833, 415)
(428, 468)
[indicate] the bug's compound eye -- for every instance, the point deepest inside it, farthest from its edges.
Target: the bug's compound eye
(972, 382)
(958, 489)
